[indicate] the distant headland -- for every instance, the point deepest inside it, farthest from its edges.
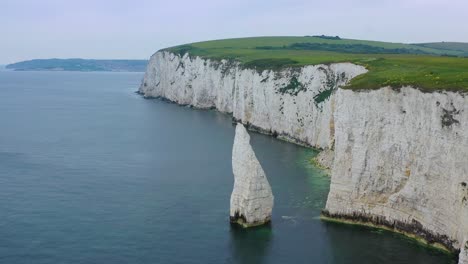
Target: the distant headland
(79, 65)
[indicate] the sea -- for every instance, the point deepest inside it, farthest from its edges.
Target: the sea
(91, 172)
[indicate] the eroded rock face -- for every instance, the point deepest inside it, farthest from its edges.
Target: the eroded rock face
(463, 258)
(295, 104)
(325, 159)
(400, 156)
(251, 198)
(401, 160)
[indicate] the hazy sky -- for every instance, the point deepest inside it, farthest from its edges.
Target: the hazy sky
(137, 28)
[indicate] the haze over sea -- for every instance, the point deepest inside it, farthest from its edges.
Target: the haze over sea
(91, 172)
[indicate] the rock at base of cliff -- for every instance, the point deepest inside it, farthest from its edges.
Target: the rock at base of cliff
(463, 257)
(324, 159)
(251, 198)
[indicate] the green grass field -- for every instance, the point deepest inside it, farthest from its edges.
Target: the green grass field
(453, 46)
(430, 66)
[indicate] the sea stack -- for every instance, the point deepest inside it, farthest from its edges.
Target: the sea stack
(251, 198)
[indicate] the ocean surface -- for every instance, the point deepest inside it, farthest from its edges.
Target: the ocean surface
(91, 172)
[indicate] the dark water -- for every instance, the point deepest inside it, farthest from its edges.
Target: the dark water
(92, 173)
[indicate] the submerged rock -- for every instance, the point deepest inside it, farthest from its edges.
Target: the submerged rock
(251, 198)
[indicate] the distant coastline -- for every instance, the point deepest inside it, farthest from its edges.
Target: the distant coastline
(84, 65)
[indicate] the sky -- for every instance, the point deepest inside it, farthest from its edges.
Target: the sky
(135, 29)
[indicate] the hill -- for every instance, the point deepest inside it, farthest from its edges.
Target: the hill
(428, 67)
(448, 46)
(79, 65)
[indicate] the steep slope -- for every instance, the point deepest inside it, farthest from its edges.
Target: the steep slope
(293, 104)
(400, 154)
(251, 198)
(401, 162)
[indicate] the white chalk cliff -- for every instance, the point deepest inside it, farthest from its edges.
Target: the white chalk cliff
(251, 198)
(400, 156)
(292, 104)
(401, 160)
(463, 258)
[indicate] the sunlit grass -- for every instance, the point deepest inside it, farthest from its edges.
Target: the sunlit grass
(428, 72)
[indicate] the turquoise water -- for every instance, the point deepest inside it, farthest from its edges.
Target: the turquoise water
(91, 172)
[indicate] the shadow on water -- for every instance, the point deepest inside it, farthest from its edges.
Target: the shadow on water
(250, 245)
(378, 246)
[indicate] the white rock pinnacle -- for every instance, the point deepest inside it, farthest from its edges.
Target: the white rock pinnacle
(251, 198)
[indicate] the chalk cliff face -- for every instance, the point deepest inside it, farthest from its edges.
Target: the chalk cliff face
(463, 258)
(401, 160)
(295, 104)
(251, 198)
(400, 157)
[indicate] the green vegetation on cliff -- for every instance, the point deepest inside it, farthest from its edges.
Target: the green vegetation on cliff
(431, 66)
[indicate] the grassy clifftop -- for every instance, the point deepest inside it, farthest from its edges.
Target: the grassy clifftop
(430, 66)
